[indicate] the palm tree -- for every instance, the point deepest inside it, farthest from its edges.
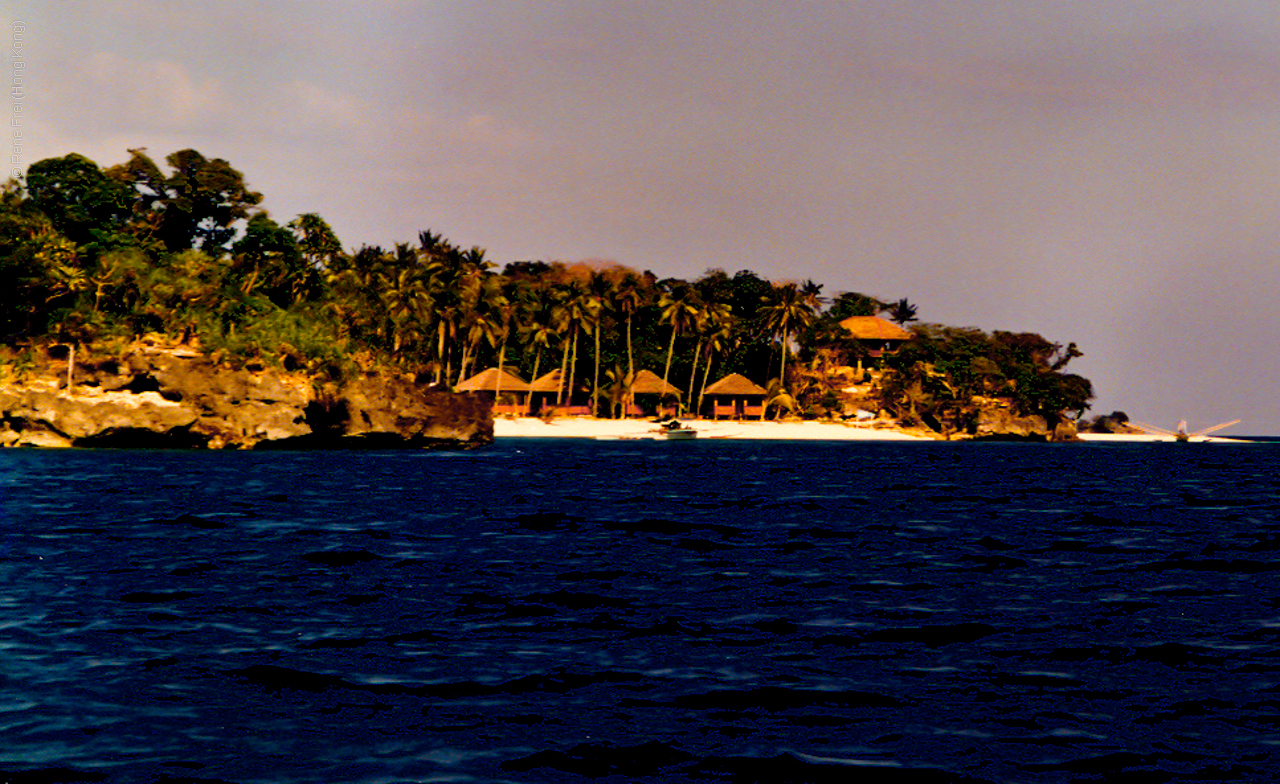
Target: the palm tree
(600, 289)
(902, 312)
(538, 331)
(405, 296)
(618, 389)
(488, 321)
(786, 311)
(574, 308)
(719, 325)
(680, 309)
(776, 396)
(511, 294)
(629, 295)
(446, 307)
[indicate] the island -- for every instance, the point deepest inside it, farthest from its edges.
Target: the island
(163, 306)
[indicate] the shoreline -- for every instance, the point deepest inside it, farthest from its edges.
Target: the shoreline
(643, 429)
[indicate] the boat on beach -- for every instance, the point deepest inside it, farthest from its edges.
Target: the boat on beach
(675, 430)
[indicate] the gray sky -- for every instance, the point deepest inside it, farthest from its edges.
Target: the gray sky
(1099, 171)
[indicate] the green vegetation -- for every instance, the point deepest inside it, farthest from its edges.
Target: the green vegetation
(93, 256)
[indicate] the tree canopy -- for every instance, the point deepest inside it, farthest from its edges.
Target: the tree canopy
(88, 254)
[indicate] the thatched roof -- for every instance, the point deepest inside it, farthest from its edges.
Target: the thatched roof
(735, 384)
(873, 328)
(548, 383)
(487, 381)
(648, 383)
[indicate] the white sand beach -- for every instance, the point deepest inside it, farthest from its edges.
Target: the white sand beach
(627, 429)
(586, 427)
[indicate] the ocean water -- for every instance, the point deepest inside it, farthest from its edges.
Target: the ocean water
(561, 611)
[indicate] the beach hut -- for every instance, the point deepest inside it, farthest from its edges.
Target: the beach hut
(648, 390)
(876, 336)
(735, 396)
(510, 392)
(544, 394)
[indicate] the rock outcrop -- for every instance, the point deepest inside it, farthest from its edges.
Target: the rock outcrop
(998, 422)
(156, 396)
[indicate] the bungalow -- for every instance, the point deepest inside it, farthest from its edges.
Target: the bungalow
(648, 386)
(736, 396)
(510, 392)
(876, 336)
(544, 394)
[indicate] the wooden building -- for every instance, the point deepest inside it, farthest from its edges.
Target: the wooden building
(735, 397)
(876, 336)
(648, 393)
(510, 392)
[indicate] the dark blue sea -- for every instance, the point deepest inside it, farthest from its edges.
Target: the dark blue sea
(572, 611)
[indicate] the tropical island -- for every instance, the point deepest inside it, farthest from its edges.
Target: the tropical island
(164, 306)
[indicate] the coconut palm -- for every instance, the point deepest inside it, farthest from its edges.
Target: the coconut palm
(488, 321)
(574, 307)
(617, 389)
(719, 329)
(785, 312)
(679, 308)
(902, 312)
(600, 291)
(539, 331)
(777, 397)
(629, 296)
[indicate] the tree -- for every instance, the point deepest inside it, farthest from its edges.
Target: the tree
(82, 202)
(600, 289)
(489, 320)
(851, 303)
(579, 311)
(270, 260)
(680, 308)
(902, 312)
(539, 330)
(787, 310)
(147, 189)
(202, 199)
(629, 295)
(319, 245)
(717, 332)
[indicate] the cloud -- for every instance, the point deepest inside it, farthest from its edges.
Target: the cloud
(110, 92)
(301, 104)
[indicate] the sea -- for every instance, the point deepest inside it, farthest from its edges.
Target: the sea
(545, 610)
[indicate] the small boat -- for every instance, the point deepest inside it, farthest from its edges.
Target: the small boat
(1181, 435)
(677, 431)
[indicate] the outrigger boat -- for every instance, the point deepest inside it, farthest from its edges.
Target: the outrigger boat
(1181, 435)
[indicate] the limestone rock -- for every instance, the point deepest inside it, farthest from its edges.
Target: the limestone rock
(164, 396)
(998, 422)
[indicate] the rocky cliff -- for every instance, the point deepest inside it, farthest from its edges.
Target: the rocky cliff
(996, 421)
(161, 396)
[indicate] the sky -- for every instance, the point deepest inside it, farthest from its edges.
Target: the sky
(1104, 172)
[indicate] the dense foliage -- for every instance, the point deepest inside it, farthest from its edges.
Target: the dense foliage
(93, 255)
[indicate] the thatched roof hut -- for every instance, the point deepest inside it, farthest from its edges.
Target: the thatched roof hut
(648, 383)
(492, 379)
(736, 384)
(547, 383)
(873, 328)
(877, 336)
(736, 396)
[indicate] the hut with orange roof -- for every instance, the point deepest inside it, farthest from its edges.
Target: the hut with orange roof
(876, 336)
(648, 388)
(510, 392)
(736, 397)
